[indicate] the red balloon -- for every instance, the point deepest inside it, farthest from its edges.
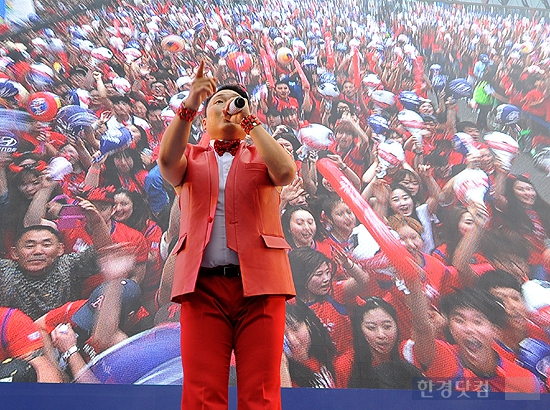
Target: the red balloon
(239, 61)
(43, 106)
(395, 251)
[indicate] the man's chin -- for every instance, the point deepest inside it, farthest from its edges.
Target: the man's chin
(35, 270)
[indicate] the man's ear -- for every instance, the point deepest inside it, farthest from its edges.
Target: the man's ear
(60, 249)
(204, 122)
(14, 255)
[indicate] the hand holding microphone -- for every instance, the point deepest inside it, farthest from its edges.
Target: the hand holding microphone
(236, 105)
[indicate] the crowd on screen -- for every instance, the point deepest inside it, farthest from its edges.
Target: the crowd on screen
(88, 225)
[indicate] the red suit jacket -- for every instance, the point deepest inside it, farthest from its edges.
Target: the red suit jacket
(252, 222)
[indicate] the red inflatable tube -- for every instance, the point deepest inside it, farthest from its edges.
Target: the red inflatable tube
(303, 78)
(267, 68)
(356, 73)
(328, 51)
(270, 53)
(395, 251)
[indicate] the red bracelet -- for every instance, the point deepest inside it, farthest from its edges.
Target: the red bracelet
(186, 114)
(249, 122)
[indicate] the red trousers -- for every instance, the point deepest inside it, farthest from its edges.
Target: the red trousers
(216, 319)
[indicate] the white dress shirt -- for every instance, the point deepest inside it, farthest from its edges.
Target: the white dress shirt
(217, 253)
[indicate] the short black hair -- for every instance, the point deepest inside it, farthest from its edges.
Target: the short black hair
(239, 89)
(437, 158)
(429, 118)
(160, 82)
(498, 279)
(466, 124)
(153, 107)
(78, 70)
(33, 228)
(287, 112)
(273, 112)
(482, 301)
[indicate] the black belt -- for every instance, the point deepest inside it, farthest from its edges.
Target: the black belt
(229, 271)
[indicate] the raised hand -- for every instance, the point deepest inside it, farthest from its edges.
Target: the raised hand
(116, 261)
(237, 117)
(201, 88)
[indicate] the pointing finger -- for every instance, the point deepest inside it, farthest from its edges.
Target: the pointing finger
(200, 70)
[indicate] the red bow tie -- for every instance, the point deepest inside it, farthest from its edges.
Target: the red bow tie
(230, 146)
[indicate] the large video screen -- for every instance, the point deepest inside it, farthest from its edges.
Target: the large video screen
(418, 222)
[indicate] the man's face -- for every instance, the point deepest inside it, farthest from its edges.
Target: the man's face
(94, 98)
(429, 128)
(473, 333)
(216, 123)
(36, 251)
(121, 108)
(345, 139)
(158, 89)
(149, 79)
(273, 121)
(110, 90)
(286, 145)
(348, 89)
(472, 132)
(514, 305)
(282, 90)
(139, 110)
(291, 120)
(426, 108)
(155, 120)
(70, 153)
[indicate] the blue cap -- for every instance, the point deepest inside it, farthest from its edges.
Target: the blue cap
(130, 302)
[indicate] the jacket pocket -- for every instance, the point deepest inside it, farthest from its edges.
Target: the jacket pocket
(180, 244)
(275, 242)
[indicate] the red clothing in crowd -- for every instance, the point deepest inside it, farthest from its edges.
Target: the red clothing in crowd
(280, 104)
(533, 331)
(73, 183)
(508, 377)
(534, 96)
(322, 378)
(136, 183)
(353, 158)
(478, 263)
(335, 319)
(439, 281)
(19, 335)
(151, 281)
(78, 239)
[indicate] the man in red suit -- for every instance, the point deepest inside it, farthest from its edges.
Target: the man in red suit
(232, 274)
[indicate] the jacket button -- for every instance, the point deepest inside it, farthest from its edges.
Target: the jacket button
(210, 219)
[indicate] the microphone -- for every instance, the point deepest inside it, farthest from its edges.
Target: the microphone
(236, 105)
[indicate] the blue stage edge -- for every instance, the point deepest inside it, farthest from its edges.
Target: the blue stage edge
(33, 396)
